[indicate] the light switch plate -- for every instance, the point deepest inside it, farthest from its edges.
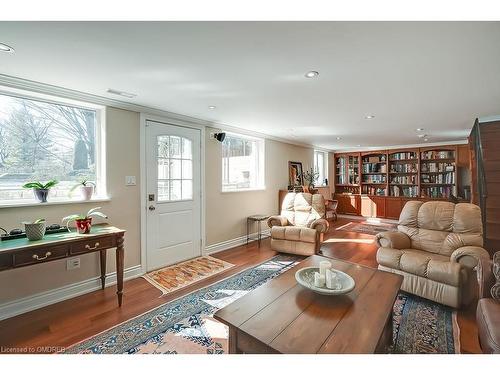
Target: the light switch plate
(130, 181)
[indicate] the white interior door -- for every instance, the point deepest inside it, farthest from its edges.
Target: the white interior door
(174, 194)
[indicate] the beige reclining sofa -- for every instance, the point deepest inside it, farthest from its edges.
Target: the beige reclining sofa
(437, 248)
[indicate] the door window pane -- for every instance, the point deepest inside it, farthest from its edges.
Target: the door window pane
(187, 189)
(175, 168)
(163, 191)
(175, 190)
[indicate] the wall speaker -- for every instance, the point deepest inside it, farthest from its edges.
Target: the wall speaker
(220, 136)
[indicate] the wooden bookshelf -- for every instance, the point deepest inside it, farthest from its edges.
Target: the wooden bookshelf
(390, 178)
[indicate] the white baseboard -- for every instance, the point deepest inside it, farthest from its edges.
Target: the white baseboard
(229, 244)
(36, 301)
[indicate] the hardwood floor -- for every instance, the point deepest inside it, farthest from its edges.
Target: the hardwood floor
(60, 325)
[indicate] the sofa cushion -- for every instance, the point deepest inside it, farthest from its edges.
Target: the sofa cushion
(294, 234)
(301, 209)
(421, 263)
(488, 324)
(441, 227)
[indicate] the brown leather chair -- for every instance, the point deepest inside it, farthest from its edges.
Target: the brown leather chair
(488, 309)
(437, 249)
(300, 227)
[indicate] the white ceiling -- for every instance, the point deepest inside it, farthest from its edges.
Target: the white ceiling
(439, 76)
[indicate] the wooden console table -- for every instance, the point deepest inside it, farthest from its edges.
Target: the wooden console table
(21, 252)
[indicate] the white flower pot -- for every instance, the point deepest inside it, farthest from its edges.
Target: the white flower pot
(87, 192)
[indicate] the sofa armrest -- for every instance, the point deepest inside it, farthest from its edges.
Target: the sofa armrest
(470, 256)
(394, 240)
(320, 225)
(277, 220)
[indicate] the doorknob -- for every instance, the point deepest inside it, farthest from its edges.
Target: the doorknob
(152, 208)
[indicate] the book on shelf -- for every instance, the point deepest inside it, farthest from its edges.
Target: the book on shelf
(404, 168)
(404, 191)
(437, 167)
(403, 156)
(437, 155)
(437, 191)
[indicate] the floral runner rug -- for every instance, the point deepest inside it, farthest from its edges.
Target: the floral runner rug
(181, 275)
(187, 326)
(367, 228)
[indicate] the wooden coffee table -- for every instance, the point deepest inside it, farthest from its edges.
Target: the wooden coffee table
(284, 317)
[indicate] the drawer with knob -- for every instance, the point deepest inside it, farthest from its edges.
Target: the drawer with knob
(94, 244)
(39, 256)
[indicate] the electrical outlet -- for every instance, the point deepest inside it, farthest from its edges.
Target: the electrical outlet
(130, 181)
(72, 264)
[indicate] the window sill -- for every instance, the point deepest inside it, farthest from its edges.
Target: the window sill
(243, 190)
(50, 203)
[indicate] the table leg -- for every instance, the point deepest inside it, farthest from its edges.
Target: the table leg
(258, 225)
(247, 231)
(119, 268)
(103, 268)
(232, 341)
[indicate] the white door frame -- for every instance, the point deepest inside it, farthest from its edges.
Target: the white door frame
(144, 117)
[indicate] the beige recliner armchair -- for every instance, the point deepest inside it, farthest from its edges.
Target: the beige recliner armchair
(437, 249)
(300, 227)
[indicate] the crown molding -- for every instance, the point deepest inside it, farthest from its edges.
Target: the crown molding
(16, 83)
(414, 145)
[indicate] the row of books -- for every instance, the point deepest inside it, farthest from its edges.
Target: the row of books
(374, 179)
(374, 168)
(403, 168)
(437, 167)
(437, 192)
(406, 191)
(412, 179)
(370, 190)
(437, 155)
(403, 156)
(445, 178)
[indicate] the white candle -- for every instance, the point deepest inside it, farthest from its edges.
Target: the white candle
(319, 280)
(332, 280)
(329, 279)
(323, 266)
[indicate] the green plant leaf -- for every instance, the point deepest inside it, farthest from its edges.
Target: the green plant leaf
(50, 184)
(33, 185)
(37, 221)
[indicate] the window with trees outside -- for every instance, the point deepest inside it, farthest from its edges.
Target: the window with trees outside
(321, 167)
(242, 163)
(43, 141)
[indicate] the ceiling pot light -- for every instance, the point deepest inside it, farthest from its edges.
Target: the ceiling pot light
(6, 48)
(369, 117)
(312, 74)
(211, 107)
(422, 135)
(425, 139)
(121, 93)
(419, 129)
(339, 138)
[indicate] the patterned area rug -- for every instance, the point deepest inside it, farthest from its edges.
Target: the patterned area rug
(181, 275)
(187, 326)
(422, 326)
(367, 228)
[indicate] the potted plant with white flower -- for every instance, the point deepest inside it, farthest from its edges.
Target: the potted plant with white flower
(84, 222)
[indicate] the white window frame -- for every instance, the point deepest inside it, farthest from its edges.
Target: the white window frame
(261, 148)
(325, 166)
(101, 179)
